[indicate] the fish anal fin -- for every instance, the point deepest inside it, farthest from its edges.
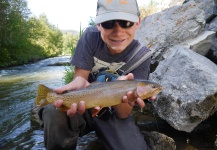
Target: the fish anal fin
(96, 111)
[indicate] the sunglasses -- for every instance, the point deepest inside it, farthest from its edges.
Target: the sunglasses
(111, 24)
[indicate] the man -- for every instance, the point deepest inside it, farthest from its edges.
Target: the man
(108, 45)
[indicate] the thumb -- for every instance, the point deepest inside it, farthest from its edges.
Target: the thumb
(68, 87)
(129, 76)
(60, 90)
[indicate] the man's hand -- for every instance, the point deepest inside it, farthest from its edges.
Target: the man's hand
(77, 83)
(123, 110)
(130, 98)
(74, 107)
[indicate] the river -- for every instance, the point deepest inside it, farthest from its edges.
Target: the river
(18, 87)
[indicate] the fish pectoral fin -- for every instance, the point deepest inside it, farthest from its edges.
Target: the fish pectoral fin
(96, 111)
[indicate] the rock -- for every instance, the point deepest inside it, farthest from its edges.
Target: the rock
(159, 141)
(209, 9)
(173, 26)
(35, 120)
(213, 25)
(202, 43)
(189, 93)
(212, 54)
(189, 79)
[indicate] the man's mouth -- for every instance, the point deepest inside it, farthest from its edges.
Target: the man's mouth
(117, 41)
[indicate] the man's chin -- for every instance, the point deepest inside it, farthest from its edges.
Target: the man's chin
(116, 50)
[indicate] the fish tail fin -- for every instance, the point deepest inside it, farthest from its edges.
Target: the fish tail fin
(42, 94)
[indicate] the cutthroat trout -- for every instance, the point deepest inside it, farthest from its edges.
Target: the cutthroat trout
(102, 94)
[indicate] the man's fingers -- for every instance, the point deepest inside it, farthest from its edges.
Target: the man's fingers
(58, 103)
(97, 108)
(60, 90)
(81, 108)
(71, 112)
(132, 103)
(140, 102)
(126, 77)
(130, 96)
(153, 97)
(125, 100)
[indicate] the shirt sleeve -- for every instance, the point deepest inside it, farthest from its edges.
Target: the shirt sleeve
(84, 52)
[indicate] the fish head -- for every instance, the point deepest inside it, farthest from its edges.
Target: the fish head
(146, 89)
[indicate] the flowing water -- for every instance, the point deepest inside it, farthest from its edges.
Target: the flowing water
(18, 87)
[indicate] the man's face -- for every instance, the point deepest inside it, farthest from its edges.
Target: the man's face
(118, 38)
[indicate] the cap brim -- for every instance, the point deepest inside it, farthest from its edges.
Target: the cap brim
(116, 16)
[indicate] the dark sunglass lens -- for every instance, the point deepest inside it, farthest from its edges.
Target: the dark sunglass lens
(108, 24)
(125, 24)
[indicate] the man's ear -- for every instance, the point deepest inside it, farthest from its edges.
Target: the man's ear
(98, 27)
(138, 23)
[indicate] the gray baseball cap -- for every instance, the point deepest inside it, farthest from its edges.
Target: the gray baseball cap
(117, 10)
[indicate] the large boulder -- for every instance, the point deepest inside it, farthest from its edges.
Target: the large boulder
(170, 27)
(189, 94)
(188, 78)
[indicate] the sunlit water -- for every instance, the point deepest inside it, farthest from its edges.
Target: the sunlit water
(18, 87)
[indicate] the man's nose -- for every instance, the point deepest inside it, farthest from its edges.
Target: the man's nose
(117, 27)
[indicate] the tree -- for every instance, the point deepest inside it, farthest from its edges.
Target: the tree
(149, 9)
(46, 36)
(13, 29)
(24, 39)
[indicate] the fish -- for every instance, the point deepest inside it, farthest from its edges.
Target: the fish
(102, 94)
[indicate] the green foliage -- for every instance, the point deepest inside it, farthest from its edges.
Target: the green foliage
(13, 30)
(5, 57)
(47, 36)
(69, 42)
(69, 74)
(24, 39)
